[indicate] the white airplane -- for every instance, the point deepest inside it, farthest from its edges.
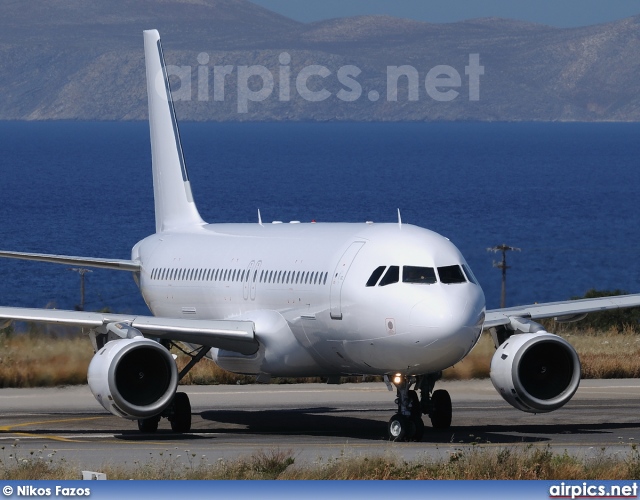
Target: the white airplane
(296, 300)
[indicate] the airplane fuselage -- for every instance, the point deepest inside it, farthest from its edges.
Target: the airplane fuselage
(305, 287)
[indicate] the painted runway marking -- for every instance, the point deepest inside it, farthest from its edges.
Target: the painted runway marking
(9, 428)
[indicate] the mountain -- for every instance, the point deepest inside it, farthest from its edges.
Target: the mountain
(83, 59)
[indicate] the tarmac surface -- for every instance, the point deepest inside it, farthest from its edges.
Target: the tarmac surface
(315, 422)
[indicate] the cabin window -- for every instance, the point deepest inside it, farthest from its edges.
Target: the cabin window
(375, 276)
(451, 274)
(420, 275)
(391, 276)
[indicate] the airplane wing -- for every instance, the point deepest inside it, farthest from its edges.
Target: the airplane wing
(566, 310)
(117, 264)
(231, 335)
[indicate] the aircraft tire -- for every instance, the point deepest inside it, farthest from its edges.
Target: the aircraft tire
(441, 412)
(148, 425)
(399, 428)
(419, 429)
(181, 418)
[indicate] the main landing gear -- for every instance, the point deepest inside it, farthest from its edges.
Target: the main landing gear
(407, 424)
(179, 411)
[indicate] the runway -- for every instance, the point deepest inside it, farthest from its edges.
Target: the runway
(316, 422)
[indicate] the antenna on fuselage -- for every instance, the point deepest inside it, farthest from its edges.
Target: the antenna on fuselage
(399, 219)
(259, 218)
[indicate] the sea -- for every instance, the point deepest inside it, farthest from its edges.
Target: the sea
(565, 194)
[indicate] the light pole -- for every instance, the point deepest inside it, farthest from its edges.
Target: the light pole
(81, 271)
(503, 265)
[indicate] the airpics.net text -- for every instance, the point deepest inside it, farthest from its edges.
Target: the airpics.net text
(257, 83)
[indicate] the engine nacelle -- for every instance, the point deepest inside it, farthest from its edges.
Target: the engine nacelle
(536, 372)
(134, 378)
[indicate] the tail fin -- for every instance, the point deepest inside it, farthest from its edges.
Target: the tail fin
(174, 205)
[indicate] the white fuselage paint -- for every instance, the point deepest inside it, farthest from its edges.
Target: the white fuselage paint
(307, 326)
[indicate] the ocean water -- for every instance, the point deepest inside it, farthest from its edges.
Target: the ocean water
(565, 193)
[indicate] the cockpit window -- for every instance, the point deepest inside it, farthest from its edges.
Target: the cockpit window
(423, 275)
(392, 276)
(451, 274)
(469, 274)
(375, 276)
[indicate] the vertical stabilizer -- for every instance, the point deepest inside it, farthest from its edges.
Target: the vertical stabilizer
(174, 205)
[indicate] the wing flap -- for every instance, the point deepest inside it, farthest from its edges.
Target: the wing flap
(497, 317)
(117, 264)
(236, 336)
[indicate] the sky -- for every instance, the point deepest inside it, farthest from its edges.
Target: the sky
(560, 13)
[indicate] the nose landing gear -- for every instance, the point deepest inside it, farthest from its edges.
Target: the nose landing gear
(407, 424)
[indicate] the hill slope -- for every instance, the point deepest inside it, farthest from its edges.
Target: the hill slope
(83, 59)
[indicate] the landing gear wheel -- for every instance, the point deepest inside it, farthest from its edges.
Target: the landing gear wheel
(419, 429)
(181, 418)
(148, 425)
(414, 403)
(399, 428)
(416, 417)
(440, 409)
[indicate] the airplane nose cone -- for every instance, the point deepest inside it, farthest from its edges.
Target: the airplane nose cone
(454, 314)
(450, 308)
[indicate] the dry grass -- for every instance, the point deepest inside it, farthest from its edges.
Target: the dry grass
(608, 354)
(41, 359)
(17, 466)
(520, 463)
(479, 463)
(37, 360)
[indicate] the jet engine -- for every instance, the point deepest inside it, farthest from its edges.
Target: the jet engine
(536, 372)
(134, 378)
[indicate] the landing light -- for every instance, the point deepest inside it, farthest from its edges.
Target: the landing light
(397, 379)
